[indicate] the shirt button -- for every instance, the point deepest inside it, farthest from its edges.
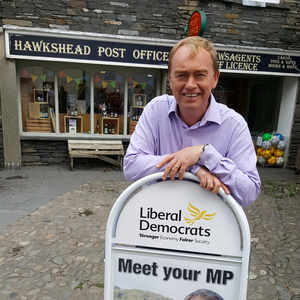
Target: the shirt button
(206, 161)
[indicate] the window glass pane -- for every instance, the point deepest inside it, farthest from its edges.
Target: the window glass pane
(108, 102)
(74, 101)
(37, 97)
(232, 92)
(141, 90)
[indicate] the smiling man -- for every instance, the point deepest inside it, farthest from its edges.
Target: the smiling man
(190, 131)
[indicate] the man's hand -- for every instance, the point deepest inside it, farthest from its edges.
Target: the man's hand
(180, 161)
(211, 182)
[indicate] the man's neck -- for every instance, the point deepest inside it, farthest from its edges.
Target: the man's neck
(192, 116)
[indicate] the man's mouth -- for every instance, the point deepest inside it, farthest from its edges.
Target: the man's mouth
(191, 95)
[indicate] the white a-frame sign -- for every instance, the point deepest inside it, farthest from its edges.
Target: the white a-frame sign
(167, 239)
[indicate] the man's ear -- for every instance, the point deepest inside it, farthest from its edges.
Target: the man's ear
(170, 82)
(216, 78)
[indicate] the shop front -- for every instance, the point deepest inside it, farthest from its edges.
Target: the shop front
(262, 85)
(82, 86)
(99, 84)
(93, 86)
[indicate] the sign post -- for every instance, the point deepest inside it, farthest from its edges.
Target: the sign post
(171, 238)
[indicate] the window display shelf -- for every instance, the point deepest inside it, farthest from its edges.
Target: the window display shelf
(38, 125)
(76, 125)
(38, 110)
(132, 125)
(139, 100)
(111, 122)
(40, 96)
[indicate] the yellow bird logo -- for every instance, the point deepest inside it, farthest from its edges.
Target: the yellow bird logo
(197, 214)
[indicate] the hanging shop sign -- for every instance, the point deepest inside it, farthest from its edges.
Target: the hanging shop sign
(84, 50)
(197, 24)
(172, 238)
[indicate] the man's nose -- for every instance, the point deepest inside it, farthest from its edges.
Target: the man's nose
(191, 82)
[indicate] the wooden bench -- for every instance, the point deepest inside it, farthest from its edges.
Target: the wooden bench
(97, 149)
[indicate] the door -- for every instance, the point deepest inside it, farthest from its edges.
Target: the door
(263, 104)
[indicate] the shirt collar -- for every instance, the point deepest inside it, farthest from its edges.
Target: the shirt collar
(173, 107)
(212, 114)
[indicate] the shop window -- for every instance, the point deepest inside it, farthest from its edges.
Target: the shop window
(74, 101)
(232, 92)
(141, 90)
(108, 103)
(37, 99)
(260, 3)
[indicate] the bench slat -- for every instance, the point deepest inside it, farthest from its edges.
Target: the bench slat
(74, 153)
(93, 141)
(96, 149)
(93, 146)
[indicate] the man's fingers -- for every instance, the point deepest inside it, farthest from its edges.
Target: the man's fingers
(164, 161)
(210, 185)
(216, 187)
(225, 188)
(173, 172)
(181, 173)
(171, 169)
(213, 184)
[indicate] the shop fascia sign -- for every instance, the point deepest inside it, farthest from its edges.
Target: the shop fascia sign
(50, 47)
(249, 62)
(42, 46)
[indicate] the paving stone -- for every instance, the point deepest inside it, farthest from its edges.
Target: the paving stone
(49, 252)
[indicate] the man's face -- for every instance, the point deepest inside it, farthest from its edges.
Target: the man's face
(192, 78)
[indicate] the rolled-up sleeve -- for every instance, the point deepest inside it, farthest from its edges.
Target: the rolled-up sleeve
(237, 170)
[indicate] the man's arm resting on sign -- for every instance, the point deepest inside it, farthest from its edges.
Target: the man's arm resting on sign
(185, 158)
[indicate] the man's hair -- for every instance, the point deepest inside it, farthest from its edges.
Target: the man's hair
(203, 295)
(195, 44)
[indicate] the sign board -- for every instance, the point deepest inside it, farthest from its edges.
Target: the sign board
(172, 238)
(83, 49)
(254, 62)
(104, 51)
(197, 24)
(172, 276)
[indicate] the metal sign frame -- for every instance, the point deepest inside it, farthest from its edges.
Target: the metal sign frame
(117, 246)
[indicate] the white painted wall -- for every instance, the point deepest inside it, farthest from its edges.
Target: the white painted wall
(287, 106)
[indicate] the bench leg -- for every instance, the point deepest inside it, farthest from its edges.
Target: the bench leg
(72, 164)
(120, 161)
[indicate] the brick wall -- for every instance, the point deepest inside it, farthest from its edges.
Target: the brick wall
(44, 152)
(275, 26)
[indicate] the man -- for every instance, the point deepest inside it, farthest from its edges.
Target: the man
(191, 132)
(203, 295)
